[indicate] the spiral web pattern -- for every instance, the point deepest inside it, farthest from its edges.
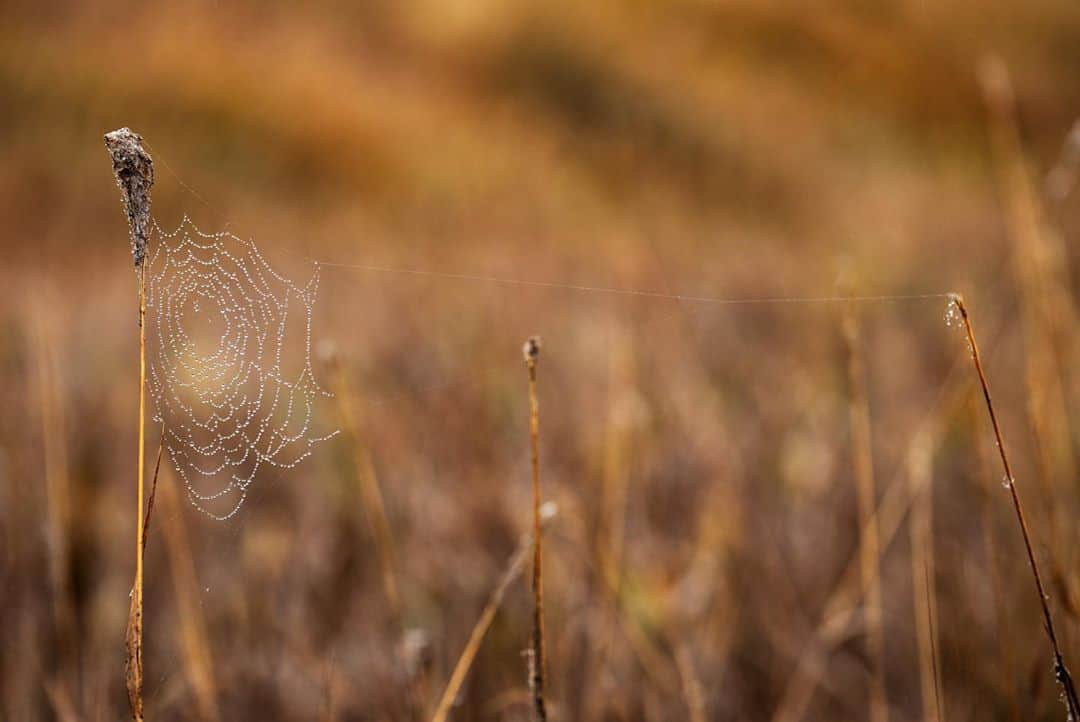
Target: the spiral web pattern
(217, 314)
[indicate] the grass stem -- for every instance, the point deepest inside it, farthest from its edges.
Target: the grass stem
(134, 171)
(369, 488)
(134, 636)
(537, 661)
(1060, 670)
(464, 663)
(920, 477)
(869, 539)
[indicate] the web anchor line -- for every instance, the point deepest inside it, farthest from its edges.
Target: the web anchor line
(633, 292)
(556, 285)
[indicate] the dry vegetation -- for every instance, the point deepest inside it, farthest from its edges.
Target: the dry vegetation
(766, 511)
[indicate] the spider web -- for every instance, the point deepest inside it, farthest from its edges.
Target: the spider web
(222, 366)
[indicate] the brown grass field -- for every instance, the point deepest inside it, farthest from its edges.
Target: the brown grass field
(788, 509)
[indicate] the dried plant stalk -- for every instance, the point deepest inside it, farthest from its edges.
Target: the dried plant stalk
(537, 662)
(194, 640)
(368, 485)
(920, 522)
(1060, 670)
(615, 486)
(692, 688)
(1006, 665)
(134, 171)
(134, 637)
(461, 669)
(869, 538)
(839, 610)
(1039, 258)
(55, 464)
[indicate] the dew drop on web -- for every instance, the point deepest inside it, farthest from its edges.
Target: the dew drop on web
(952, 314)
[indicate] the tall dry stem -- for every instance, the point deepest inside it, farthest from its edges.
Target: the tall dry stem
(1060, 670)
(618, 442)
(693, 691)
(1006, 664)
(920, 476)
(869, 539)
(134, 635)
(368, 486)
(468, 654)
(1040, 267)
(1040, 262)
(839, 611)
(45, 374)
(194, 639)
(537, 670)
(134, 171)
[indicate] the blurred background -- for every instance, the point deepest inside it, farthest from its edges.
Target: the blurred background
(712, 464)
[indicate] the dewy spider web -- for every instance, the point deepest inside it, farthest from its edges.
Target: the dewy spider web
(217, 313)
(229, 411)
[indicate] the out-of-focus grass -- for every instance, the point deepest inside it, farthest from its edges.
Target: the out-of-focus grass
(699, 454)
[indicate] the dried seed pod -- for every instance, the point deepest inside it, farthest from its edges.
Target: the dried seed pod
(531, 349)
(134, 171)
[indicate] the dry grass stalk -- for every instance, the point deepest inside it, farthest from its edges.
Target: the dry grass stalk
(134, 171)
(920, 476)
(655, 663)
(1006, 664)
(198, 662)
(537, 661)
(609, 539)
(839, 610)
(45, 374)
(153, 489)
(1060, 670)
(1061, 180)
(1040, 253)
(869, 540)
(1041, 270)
(368, 485)
(618, 440)
(931, 620)
(134, 635)
(693, 691)
(374, 508)
(63, 707)
(468, 654)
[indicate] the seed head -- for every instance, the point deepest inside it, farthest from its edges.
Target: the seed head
(134, 171)
(531, 349)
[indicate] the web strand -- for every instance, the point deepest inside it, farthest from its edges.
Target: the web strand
(632, 292)
(578, 288)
